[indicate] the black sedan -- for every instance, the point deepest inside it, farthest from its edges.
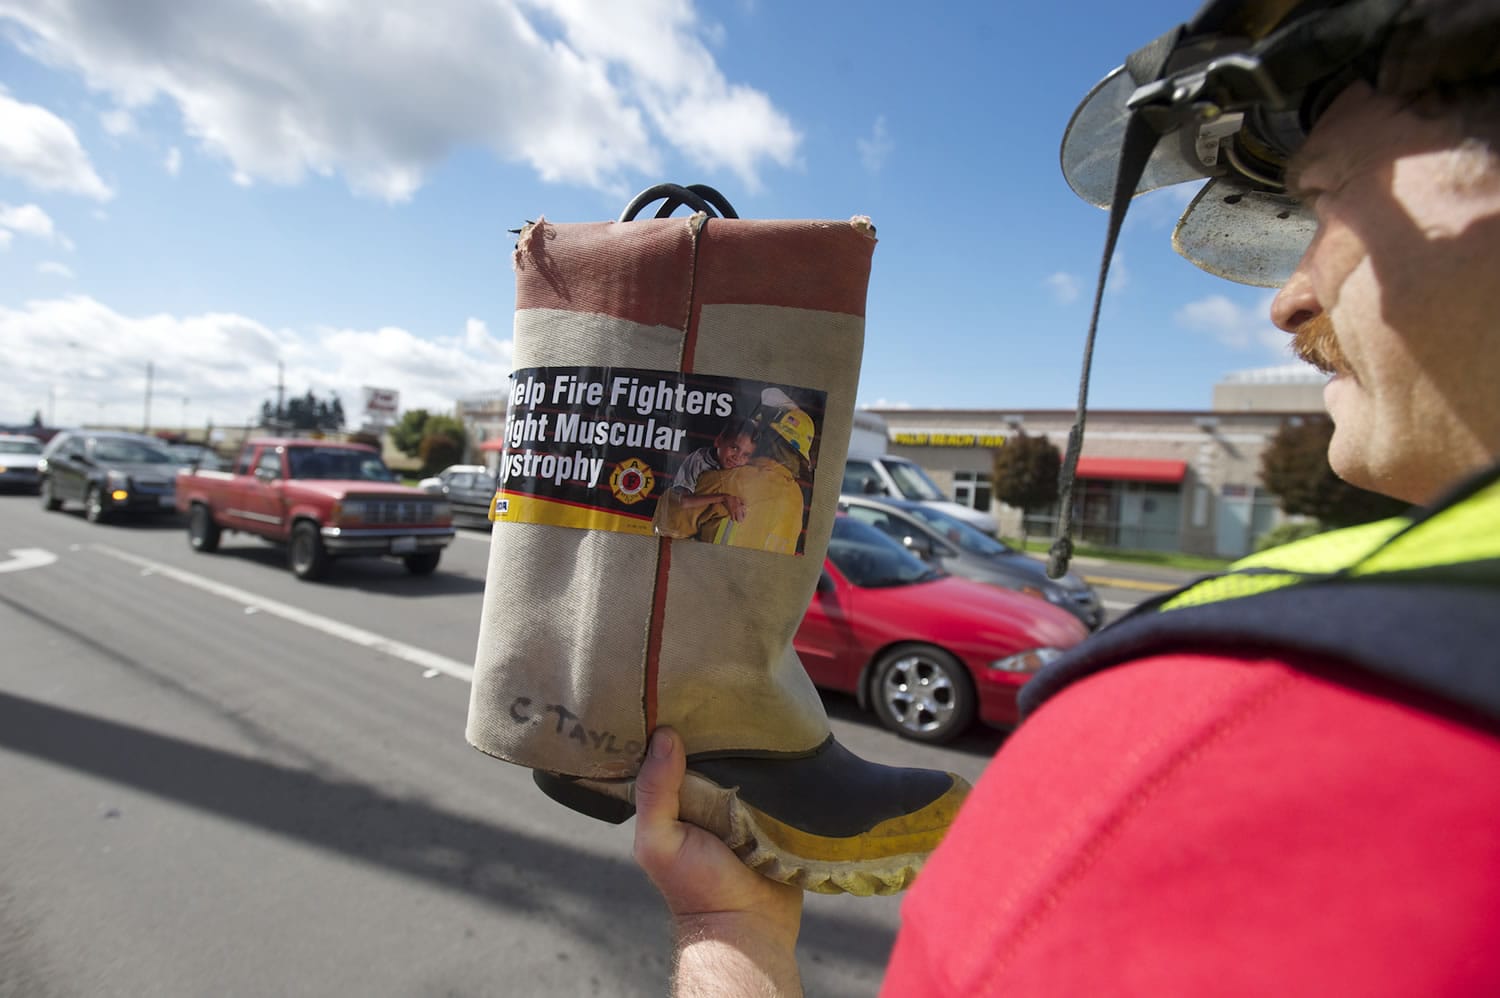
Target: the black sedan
(109, 472)
(959, 549)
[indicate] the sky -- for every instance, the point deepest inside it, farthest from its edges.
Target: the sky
(316, 194)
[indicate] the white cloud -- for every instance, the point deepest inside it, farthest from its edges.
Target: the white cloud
(874, 150)
(94, 360)
(28, 220)
(883, 403)
(1240, 327)
(41, 149)
(585, 93)
(5, 239)
(117, 122)
(1064, 287)
(173, 161)
(54, 269)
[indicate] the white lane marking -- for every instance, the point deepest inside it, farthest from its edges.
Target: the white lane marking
(1114, 604)
(24, 558)
(253, 603)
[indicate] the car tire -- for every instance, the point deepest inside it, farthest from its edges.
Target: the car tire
(203, 532)
(50, 502)
(93, 505)
(422, 564)
(923, 693)
(306, 554)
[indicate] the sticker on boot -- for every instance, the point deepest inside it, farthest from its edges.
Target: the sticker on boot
(721, 460)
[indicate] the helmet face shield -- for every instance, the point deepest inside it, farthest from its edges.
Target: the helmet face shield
(1241, 232)
(1091, 146)
(1231, 107)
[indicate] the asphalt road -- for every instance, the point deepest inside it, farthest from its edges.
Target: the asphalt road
(215, 779)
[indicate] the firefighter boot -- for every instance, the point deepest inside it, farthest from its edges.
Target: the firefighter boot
(678, 422)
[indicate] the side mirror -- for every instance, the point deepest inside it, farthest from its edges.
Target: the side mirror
(266, 475)
(825, 582)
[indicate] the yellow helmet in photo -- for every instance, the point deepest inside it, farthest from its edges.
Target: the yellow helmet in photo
(795, 426)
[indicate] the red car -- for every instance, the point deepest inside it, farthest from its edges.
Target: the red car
(928, 651)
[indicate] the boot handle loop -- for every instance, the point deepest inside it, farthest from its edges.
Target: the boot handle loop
(699, 197)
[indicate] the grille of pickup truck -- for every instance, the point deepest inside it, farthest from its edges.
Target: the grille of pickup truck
(394, 511)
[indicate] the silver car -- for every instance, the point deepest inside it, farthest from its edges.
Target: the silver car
(949, 543)
(20, 462)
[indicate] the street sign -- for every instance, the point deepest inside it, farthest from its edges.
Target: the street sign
(381, 400)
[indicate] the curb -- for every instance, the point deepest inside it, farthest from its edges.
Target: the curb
(1114, 583)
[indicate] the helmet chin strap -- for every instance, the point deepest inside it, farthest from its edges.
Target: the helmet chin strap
(1135, 149)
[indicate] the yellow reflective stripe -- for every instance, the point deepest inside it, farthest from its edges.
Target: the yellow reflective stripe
(1226, 587)
(1469, 531)
(1327, 552)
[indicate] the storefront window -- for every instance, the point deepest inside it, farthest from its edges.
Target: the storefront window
(973, 489)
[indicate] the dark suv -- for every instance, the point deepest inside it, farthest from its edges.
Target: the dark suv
(109, 472)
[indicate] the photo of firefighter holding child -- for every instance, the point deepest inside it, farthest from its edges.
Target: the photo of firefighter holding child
(749, 487)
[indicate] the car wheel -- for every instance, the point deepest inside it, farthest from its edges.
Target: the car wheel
(203, 532)
(422, 564)
(308, 558)
(93, 505)
(923, 693)
(50, 502)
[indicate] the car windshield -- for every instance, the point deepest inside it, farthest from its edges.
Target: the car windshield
(871, 559)
(969, 538)
(913, 482)
(193, 454)
(20, 447)
(121, 451)
(338, 464)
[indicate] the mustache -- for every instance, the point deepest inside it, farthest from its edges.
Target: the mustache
(1316, 342)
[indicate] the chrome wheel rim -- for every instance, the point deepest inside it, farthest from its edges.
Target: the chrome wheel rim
(920, 694)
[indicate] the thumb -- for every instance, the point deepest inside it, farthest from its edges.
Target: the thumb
(657, 786)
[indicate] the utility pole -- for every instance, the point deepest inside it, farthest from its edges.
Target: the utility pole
(149, 372)
(280, 396)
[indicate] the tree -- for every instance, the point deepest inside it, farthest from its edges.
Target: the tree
(439, 450)
(406, 434)
(307, 412)
(436, 439)
(1294, 467)
(1026, 471)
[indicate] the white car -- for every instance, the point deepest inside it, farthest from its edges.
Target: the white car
(436, 482)
(20, 462)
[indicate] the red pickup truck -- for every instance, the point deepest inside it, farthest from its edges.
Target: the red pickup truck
(322, 499)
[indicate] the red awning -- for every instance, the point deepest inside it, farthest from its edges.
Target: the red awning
(497, 444)
(1131, 469)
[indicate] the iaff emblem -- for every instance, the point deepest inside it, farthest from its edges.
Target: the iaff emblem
(632, 480)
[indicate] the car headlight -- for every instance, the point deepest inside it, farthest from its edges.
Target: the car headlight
(117, 480)
(443, 513)
(348, 513)
(1027, 661)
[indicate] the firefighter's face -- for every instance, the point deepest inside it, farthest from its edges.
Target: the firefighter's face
(1397, 294)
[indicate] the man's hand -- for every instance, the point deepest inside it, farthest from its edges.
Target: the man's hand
(736, 930)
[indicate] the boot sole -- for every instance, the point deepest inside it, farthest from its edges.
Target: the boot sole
(883, 860)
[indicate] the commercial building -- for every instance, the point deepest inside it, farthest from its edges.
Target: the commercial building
(1164, 480)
